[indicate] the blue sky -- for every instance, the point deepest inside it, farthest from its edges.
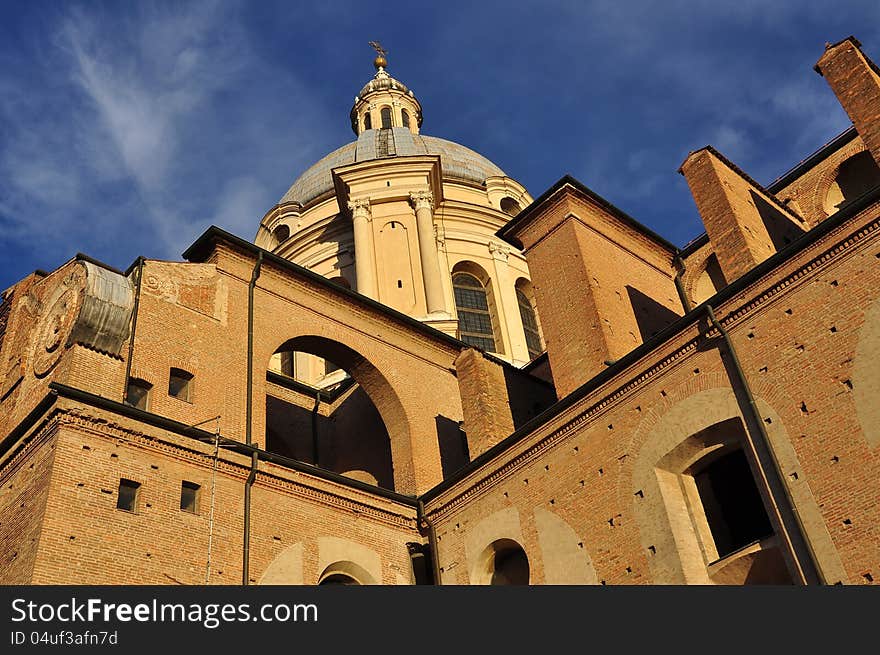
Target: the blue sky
(127, 128)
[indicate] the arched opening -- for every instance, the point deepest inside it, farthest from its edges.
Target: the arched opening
(477, 321)
(385, 113)
(855, 177)
(346, 573)
(368, 121)
(404, 117)
(281, 234)
(505, 563)
(328, 406)
(526, 300)
(510, 206)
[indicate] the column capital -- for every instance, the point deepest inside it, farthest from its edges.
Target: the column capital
(422, 200)
(499, 251)
(360, 208)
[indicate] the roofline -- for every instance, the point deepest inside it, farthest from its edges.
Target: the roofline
(526, 214)
(198, 251)
(728, 292)
(811, 160)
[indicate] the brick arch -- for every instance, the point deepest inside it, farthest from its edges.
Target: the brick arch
(829, 174)
(350, 570)
(661, 434)
(377, 387)
(695, 266)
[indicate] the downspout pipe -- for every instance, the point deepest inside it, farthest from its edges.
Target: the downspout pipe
(134, 322)
(246, 549)
(425, 522)
(678, 262)
(812, 568)
(315, 428)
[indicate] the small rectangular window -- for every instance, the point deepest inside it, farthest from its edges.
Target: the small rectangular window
(180, 384)
(127, 497)
(138, 394)
(189, 497)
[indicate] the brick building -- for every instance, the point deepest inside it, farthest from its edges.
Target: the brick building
(520, 390)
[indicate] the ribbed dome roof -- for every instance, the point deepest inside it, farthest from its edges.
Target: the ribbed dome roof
(456, 161)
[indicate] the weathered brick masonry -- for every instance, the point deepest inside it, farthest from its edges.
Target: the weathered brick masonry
(669, 448)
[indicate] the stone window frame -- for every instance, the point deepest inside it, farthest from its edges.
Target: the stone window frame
(684, 414)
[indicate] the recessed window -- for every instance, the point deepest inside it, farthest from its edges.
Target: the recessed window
(404, 115)
(732, 503)
(138, 394)
(386, 117)
(474, 319)
(368, 121)
(180, 384)
(189, 497)
(126, 499)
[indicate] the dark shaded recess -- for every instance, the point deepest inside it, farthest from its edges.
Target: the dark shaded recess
(539, 367)
(781, 229)
(651, 316)
(713, 270)
(338, 579)
(452, 440)
(529, 396)
(352, 438)
(511, 566)
(732, 502)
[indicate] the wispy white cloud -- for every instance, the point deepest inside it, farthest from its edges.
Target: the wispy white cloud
(129, 133)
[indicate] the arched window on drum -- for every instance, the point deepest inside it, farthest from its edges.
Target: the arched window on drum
(474, 311)
(525, 298)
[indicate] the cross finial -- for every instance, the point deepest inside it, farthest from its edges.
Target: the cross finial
(380, 61)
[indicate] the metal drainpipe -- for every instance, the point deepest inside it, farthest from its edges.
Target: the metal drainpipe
(422, 518)
(679, 285)
(246, 550)
(777, 469)
(315, 428)
(134, 320)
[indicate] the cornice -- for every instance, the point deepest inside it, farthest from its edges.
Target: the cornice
(269, 475)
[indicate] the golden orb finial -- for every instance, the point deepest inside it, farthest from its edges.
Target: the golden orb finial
(380, 61)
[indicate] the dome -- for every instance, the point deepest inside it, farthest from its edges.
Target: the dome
(456, 161)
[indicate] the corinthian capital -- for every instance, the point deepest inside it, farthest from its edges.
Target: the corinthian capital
(422, 200)
(360, 208)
